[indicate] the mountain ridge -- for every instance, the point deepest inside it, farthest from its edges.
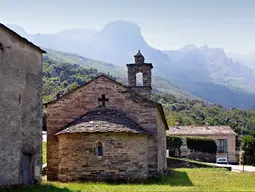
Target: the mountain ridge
(203, 71)
(159, 84)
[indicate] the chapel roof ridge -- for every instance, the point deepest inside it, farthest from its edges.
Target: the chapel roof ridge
(158, 105)
(97, 77)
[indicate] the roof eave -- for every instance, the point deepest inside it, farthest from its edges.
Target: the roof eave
(162, 114)
(140, 133)
(22, 39)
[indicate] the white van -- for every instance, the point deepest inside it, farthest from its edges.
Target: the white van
(222, 160)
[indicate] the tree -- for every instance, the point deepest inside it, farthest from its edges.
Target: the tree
(248, 145)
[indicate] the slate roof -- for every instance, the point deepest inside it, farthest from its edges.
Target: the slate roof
(200, 130)
(103, 120)
(21, 38)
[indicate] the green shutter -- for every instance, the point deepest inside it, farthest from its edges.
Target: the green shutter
(225, 145)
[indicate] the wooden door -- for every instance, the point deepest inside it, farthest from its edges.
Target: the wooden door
(27, 169)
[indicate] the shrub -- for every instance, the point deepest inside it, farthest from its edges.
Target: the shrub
(173, 144)
(201, 144)
(248, 145)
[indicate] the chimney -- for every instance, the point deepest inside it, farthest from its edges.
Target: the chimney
(177, 124)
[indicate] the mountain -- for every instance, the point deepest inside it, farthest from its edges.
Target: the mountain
(210, 74)
(70, 40)
(59, 59)
(203, 71)
(248, 60)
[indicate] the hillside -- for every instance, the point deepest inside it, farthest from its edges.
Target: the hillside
(69, 70)
(63, 72)
(207, 73)
(198, 113)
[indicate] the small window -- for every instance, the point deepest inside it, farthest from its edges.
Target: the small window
(99, 150)
(222, 145)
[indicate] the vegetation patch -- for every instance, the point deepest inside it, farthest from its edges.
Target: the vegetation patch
(44, 154)
(201, 144)
(248, 145)
(173, 144)
(197, 179)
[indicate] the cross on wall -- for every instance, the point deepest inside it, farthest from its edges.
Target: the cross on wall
(103, 100)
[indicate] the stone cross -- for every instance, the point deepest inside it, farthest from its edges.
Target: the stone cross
(103, 100)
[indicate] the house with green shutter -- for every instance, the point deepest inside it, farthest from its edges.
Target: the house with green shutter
(224, 136)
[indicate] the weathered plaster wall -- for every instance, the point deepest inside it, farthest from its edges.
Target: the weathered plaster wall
(124, 156)
(20, 108)
(231, 146)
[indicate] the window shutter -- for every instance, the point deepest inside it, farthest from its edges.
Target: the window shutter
(225, 145)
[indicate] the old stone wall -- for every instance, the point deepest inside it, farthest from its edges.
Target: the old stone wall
(124, 157)
(161, 137)
(201, 156)
(85, 98)
(144, 91)
(20, 108)
(145, 69)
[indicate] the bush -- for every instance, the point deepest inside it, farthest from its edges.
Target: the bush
(248, 145)
(173, 144)
(200, 144)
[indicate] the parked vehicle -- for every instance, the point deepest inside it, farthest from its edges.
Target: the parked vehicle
(222, 160)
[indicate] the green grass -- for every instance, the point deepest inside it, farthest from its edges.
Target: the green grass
(44, 152)
(204, 179)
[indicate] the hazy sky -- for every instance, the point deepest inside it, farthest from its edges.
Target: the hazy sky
(165, 24)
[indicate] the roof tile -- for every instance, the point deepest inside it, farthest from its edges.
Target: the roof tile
(200, 130)
(104, 120)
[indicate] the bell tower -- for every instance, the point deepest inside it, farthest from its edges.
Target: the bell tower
(140, 67)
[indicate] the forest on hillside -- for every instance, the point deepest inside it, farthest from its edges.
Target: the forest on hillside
(59, 78)
(193, 112)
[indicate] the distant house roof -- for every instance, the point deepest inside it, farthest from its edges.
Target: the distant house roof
(103, 120)
(200, 130)
(21, 38)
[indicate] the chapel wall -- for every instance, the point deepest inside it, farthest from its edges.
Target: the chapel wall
(161, 135)
(124, 157)
(84, 99)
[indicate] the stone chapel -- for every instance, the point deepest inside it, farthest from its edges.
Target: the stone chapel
(107, 131)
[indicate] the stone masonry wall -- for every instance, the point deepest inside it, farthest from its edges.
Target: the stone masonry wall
(84, 99)
(161, 135)
(20, 108)
(145, 69)
(144, 91)
(124, 157)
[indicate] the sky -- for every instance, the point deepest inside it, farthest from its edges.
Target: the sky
(165, 24)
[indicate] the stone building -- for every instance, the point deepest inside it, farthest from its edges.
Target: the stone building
(224, 136)
(20, 109)
(104, 130)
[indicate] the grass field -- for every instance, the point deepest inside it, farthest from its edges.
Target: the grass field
(203, 179)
